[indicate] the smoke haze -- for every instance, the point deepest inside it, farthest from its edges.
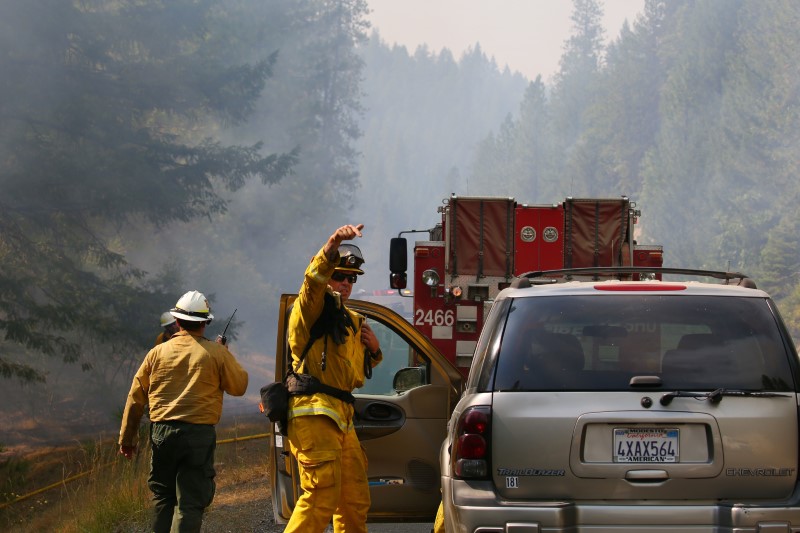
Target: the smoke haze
(164, 158)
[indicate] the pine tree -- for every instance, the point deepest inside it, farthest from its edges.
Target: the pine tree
(578, 69)
(760, 132)
(679, 169)
(623, 120)
(107, 109)
(533, 152)
(780, 257)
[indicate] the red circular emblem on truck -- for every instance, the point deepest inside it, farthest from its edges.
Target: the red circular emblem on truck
(550, 234)
(527, 234)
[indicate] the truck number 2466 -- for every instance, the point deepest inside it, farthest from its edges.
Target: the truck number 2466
(434, 318)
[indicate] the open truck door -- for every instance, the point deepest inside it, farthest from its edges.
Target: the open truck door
(401, 417)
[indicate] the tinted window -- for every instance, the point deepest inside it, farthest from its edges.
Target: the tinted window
(481, 371)
(600, 342)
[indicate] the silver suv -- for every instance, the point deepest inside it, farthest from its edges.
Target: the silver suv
(610, 406)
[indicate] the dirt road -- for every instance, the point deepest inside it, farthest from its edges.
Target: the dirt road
(242, 503)
(246, 508)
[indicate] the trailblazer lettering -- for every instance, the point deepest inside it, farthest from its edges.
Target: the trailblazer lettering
(529, 472)
(759, 472)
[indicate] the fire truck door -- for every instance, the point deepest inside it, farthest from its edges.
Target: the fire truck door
(401, 419)
(539, 240)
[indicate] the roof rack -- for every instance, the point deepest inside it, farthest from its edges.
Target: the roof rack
(546, 277)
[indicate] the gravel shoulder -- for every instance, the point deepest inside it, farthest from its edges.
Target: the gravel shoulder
(242, 507)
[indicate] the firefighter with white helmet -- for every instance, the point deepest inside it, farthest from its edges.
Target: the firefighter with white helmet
(182, 382)
(170, 327)
(167, 319)
(193, 307)
(321, 435)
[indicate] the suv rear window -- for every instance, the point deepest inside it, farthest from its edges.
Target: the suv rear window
(599, 342)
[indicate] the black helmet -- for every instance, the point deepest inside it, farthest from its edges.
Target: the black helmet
(350, 259)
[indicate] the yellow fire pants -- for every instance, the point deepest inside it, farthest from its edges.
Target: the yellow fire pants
(438, 524)
(333, 476)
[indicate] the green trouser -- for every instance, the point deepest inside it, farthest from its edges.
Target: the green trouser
(181, 474)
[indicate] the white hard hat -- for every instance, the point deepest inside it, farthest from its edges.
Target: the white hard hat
(192, 306)
(167, 319)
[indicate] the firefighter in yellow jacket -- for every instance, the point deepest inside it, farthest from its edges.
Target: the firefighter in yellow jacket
(332, 463)
(170, 328)
(182, 381)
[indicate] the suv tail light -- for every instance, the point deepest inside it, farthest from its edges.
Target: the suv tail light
(470, 453)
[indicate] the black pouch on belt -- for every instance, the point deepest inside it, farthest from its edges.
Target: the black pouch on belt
(275, 401)
(298, 383)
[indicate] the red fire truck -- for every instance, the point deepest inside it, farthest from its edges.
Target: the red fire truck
(482, 243)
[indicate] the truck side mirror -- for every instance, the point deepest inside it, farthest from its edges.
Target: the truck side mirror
(398, 263)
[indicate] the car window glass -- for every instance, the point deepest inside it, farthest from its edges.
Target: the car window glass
(397, 354)
(601, 342)
(402, 305)
(480, 376)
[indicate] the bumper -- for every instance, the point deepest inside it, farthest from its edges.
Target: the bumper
(473, 507)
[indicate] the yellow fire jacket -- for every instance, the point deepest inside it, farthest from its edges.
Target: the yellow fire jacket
(162, 337)
(182, 379)
(344, 363)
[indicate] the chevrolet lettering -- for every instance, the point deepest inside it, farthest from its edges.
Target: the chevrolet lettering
(760, 472)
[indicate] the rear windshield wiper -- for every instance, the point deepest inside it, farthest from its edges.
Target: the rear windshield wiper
(715, 396)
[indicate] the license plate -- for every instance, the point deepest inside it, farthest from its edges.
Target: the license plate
(647, 445)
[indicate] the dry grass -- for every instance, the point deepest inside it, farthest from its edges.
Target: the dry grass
(89, 486)
(96, 490)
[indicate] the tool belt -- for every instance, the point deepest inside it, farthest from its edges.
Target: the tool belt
(300, 384)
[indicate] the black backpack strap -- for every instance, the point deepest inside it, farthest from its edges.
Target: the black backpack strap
(334, 321)
(303, 355)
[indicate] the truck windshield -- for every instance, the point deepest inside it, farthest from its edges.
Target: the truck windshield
(599, 342)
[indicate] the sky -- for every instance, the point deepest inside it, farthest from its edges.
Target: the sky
(526, 35)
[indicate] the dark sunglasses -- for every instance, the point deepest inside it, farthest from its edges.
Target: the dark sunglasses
(341, 276)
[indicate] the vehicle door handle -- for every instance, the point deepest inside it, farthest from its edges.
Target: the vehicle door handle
(646, 476)
(381, 412)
